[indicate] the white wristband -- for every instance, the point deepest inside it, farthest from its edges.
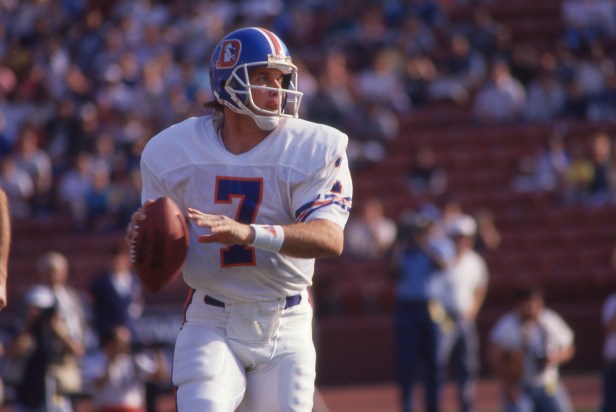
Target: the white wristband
(268, 237)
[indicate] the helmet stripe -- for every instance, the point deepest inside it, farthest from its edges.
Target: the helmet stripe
(274, 41)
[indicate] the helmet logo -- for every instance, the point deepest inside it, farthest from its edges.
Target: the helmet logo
(229, 54)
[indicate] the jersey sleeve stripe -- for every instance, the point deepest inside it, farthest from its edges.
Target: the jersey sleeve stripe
(306, 210)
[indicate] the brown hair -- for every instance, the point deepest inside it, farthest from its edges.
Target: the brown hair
(215, 106)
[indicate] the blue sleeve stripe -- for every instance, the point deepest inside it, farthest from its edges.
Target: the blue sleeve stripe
(306, 210)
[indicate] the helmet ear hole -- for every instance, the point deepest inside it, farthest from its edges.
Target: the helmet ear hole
(286, 81)
(231, 83)
(235, 85)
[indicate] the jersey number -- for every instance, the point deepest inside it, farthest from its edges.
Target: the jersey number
(249, 191)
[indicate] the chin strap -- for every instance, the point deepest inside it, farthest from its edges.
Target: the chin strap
(265, 123)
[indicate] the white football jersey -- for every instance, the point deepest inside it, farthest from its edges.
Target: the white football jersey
(298, 173)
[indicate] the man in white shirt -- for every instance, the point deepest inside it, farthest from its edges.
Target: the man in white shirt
(542, 341)
(467, 282)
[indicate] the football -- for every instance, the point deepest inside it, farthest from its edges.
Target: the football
(160, 247)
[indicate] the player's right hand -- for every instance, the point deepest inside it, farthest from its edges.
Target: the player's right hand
(224, 229)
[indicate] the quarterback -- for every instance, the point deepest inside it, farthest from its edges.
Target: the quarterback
(265, 193)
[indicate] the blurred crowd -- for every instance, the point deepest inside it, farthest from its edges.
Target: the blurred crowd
(67, 344)
(84, 83)
(581, 171)
(436, 256)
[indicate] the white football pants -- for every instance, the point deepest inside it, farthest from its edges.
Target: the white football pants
(258, 357)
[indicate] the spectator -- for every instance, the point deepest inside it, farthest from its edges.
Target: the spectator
(372, 234)
(117, 296)
(18, 186)
(327, 107)
(369, 37)
(449, 209)
(40, 340)
(603, 107)
(467, 283)
(126, 192)
(608, 319)
(577, 105)
(419, 72)
(64, 136)
(503, 45)
(587, 21)
(334, 100)
(431, 12)
(99, 202)
(373, 127)
(488, 235)
(5, 145)
(465, 63)
(106, 155)
(382, 82)
(426, 177)
(541, 341)
(565, 62)
(71, 314)
(447, 87)
(420, 261)
(415, 38)
(482, 30)
(74, 186)
(120, 372)
(601, 158)
(501, 98)
(525, 63)
(578, 177)
(547, 168)
(592, 67)
(546, 97)
(29, 156)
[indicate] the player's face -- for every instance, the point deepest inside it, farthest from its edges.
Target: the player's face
(267, 99)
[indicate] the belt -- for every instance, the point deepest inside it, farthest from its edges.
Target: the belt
(289, 301)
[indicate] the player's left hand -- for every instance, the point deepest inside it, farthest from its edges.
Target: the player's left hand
(224, 229)
(132, 230)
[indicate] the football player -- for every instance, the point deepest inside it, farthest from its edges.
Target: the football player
(265, 194)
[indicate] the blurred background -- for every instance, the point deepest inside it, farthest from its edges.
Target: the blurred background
(501, 110)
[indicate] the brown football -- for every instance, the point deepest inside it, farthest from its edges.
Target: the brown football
(160, 248)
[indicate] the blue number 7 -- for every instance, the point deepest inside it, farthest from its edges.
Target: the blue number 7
(250, 193)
